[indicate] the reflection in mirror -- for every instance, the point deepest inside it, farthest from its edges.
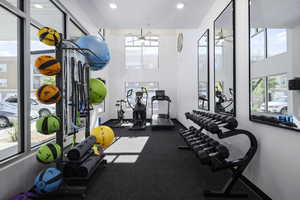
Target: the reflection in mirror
(203, 71)
(225, 61)
(274, 49)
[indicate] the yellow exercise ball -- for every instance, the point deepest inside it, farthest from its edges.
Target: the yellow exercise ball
(104, 135)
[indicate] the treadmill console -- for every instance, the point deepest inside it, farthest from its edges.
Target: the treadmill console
(160, 93)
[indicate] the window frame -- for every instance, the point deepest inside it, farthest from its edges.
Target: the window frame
(20, 68)
(142, 52)
(25, 21)
(266, 42)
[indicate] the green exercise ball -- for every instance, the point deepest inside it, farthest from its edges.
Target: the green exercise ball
(48, 153)
(48, 124)
(98, 91)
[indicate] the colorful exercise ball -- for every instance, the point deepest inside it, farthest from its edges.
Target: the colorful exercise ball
(49, 36)
(104, 135)
(48, 180)
(98, 91)
(48, 94)
(97, 46)
(25, 196)
(48, 153)
(47, 65)
(48, 124)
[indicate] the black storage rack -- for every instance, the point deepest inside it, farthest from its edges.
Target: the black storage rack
(237, 167)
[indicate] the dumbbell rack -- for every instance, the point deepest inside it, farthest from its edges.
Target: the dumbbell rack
(224, 127)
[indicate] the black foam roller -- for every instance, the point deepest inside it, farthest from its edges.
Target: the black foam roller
(80, 149)
(88, 165)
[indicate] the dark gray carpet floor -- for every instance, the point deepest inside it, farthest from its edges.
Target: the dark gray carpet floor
(161, 172)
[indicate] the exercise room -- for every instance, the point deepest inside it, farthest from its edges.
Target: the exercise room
(149, 100)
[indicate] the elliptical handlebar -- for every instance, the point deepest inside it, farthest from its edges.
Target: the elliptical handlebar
(144, 90)
(129, 94)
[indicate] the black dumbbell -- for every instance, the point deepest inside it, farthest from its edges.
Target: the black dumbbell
(203, 140)
(227, 122)
(196, 138)
(199, 147)
(220, 152)
(182, 131)
(195, 133)
(190, 133)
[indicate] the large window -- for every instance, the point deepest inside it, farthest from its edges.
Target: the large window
(270, 94)
(267, 42)
(277, 41)
(136, 86)
(38, 109)
(141, 54)
(278, 94)
(258, 98)
(9, 90)
(15, 127)
(47, 14)
(258, 50)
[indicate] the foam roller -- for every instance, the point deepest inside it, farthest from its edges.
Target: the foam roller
(88, 165)
(81, 149)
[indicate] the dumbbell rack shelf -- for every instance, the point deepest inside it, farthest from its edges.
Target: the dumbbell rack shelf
(224, 127)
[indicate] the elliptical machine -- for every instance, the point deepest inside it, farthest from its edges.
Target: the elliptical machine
(139, 114)
(223, 103)
(120, 122)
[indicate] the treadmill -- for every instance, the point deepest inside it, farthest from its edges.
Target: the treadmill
(161, 121)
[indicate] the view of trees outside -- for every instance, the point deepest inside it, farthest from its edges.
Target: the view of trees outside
(276, 94)
(258, 94)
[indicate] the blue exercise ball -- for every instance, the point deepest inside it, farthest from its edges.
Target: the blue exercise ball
(49, 180)
(99, 47)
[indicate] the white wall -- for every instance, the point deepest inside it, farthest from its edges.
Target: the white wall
(165, 75)
(275, 168)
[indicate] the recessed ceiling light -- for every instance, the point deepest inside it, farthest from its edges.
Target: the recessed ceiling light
(180, 6)
(113, 6)
(38, 6)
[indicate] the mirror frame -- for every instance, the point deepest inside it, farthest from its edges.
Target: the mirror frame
(234, 58)
(208, 70)
(249, 81)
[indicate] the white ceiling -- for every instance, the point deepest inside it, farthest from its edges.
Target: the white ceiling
(146, 13)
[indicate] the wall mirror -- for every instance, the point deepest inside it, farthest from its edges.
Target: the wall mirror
(274, 63)
(203, 71)
(224, 57)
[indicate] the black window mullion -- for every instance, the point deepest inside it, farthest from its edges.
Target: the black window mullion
(21, 87)
(266, 43)
(267, 93)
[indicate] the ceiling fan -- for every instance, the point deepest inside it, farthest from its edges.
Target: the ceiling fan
(146, 37)
(220, 37)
